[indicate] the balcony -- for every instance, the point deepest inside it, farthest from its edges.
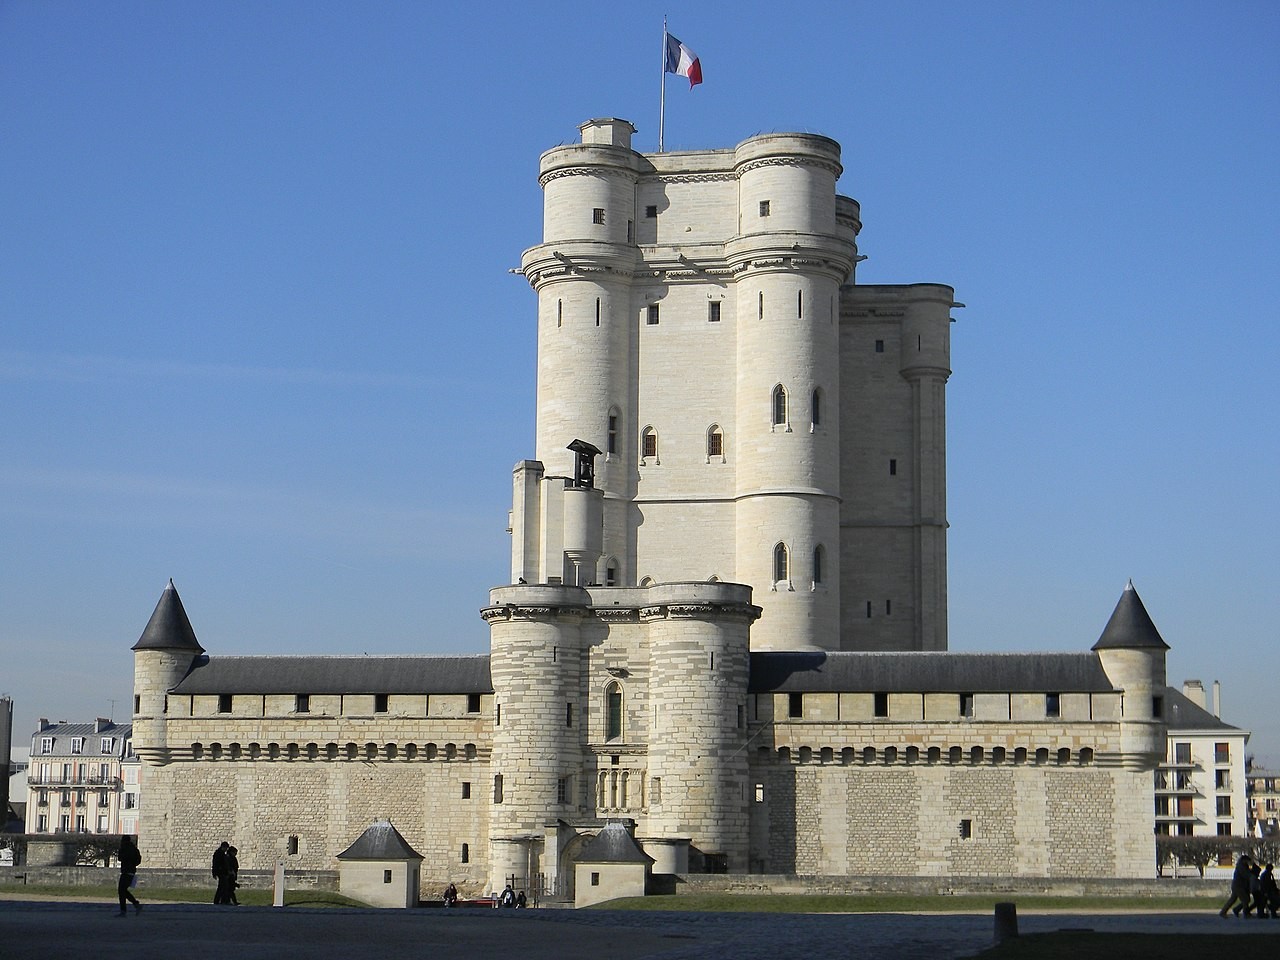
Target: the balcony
(83, 780)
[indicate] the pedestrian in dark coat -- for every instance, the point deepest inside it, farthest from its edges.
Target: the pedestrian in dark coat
(1270, 892)
(1239, 887)
(220, 872)
(129, 858)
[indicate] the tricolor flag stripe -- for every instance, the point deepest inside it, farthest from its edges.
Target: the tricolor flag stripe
(683, 62)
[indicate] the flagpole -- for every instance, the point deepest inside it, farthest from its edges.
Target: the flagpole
(662, 100)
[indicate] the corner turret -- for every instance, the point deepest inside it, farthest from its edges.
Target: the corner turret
(162, 656)
(1132, 653)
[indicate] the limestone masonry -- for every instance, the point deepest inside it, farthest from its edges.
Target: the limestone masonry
(726, 624)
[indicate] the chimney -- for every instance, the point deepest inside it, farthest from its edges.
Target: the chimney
(100, 724)
(42, 724)
(1217, 699)
(1193, 690)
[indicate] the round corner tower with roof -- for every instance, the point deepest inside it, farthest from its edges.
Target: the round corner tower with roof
(162, 656)
(1132, 654)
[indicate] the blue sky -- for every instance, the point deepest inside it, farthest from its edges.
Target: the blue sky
(257, 332)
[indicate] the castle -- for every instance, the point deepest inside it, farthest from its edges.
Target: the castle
(726, 621)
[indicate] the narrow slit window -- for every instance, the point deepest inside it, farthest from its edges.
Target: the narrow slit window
(761, 310)
(597, 215)
(819, 556)
(613, 712)
(713, 311)
(559, 313)
(781, 563)
(779, 405)
(800, 304)
(816, 408)
(893, 468)
(597, 311)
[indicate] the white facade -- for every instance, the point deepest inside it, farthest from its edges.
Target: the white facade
(74, 780)
(762, 419)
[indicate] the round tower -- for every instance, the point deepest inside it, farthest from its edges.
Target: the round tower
(790, 259)
(1132, 654)
(699, 662)
(162, 656)
(535, 662)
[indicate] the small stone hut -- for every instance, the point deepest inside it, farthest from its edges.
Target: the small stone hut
(380, 868)
(611, 865)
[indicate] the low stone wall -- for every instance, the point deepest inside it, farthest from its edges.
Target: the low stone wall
(182, 879)
(945, 886)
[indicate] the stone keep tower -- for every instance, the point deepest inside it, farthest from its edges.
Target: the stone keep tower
(162, 656)
(697, 322)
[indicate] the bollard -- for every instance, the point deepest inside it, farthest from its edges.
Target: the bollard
(278, 901)
(1006, 922)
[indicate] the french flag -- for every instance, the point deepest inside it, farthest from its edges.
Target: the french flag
(683, 62)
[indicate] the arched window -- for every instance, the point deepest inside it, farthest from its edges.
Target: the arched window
(819, 555)
(613, 711)
(715, 442)
(815, 408)
(779, 405)
(649, 445)
(781, 563)
(611, 437)
(611, 572)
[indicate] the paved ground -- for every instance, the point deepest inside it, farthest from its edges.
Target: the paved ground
(45, 930)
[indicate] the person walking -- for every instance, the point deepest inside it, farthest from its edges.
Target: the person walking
(219, 869)
(129, 858)
(233, 876)
(1239, 887)
(1270, 893)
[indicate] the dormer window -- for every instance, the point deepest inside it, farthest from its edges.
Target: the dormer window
(77, 744)
(108, 744)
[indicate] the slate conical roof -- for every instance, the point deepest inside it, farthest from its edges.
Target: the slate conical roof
(381, 841)
(613, 844)
(169, 628)
(1130, 626)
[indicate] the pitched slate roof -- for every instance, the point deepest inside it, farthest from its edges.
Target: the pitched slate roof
(90, 733)
(169, 628)
(319, 675)
(1182, 713)
(1130, 626)
(934, 672)
(613, 844)
(381, 841)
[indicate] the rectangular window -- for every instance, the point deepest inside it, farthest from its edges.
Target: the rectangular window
(651, 315)
(42, 823)
(64, 823)
(966, 705)
(655, 790)
(466, 853)
(1186, 829)
(497, 788)
(293, 845)
(1222, 779)
(1224, 829)
(77, 745)
(893, 468)
(381, 702)
(742, 716)
(137, 703)
(568, 714)
(715, 444)
(302, 703)
(800, 305)
(466, 789)
(595, 879)
(386, 876)
(1224, 806)
(631, 231)
(795, 705)
(882, 705)
(1052, 705)
(1157, 707)
(562, 790)
(713, 311)
(764, 208)
(46, 744)
(473, 703)
(108, 744)
(759, 793)
(1182, 753)
(224, 703)
(651, 211)
(1162, 806)
(966, 829)
(879, 346)
(649, 445)
(597, 215)
(1222, 753)
(1186, 807)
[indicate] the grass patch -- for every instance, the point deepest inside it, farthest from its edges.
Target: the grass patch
(1132, 946)
(252, 897)
(816, 903)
